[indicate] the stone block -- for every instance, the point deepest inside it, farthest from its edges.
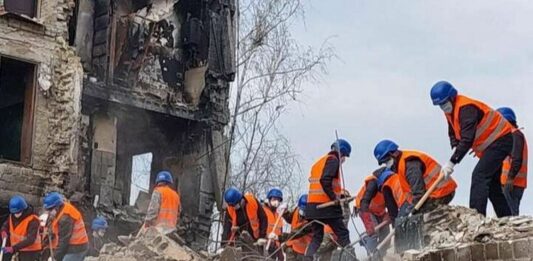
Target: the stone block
(448, 254)
(491, 251)
(505, 250)
(463, 253)
(435, 256)
(520, 248)
(478, 252)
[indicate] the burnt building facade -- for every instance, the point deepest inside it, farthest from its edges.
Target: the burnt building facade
(88, 85)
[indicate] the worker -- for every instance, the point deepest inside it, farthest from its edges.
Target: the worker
(370, 207)
(273, 208)
(244, 218)
(69, 237)
(474, 125)
(301, 233)
(99, 227)
(325, 186)
(417, 171)
(394, 196)
(22, 228)
(165, 205)
(514, 169)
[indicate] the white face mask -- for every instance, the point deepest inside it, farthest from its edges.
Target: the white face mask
(301, 212)
(101, 232)
(447, 107)
(389, 163)
(17, 215)
(238, 206)
(274, 203)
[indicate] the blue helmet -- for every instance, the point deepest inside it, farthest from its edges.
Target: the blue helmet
(383, 149)
(442, 92)
(507, 113)
(17, 204)
(342, 146)
(52, 200)
(385, 174)
(275, 193)
(164, 176)
(232, 196)
(302, 201)
(99, 223)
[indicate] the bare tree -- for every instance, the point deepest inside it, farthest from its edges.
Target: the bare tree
(272, 70)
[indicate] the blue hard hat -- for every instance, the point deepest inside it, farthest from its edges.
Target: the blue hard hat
(342, 146)
(385, 174)
(232, 196)
(99, 223)
(52, 200)
(383, 149)
(302, 201)
(164, 176)
(507, 113)
(442, 92)
(275, 193)
(17, 204)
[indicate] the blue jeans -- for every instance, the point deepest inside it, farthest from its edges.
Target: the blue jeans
(75, 256)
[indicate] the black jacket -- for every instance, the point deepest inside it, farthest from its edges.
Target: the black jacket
(244, 223)
(517, 156)
(299, 231)
(331, 171)
(469, 117)
(414, 172)
(33, 229)
(66, 226)
(371, 190)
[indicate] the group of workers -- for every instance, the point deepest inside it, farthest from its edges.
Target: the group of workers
(59, 232)
(391, 191)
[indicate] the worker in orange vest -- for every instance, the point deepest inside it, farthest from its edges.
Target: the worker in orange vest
(393, 194)
(325, 186)
(474, 125)
(275, 221)
(244, 217)
(22, 228)
(69, 237)
(514, 169)
(370, 206)
(417, 171)
(301, 235)
(165, 205)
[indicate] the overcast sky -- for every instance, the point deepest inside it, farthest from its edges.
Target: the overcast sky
(391, 53)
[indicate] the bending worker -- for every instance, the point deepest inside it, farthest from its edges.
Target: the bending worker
(514, 172)
(474, 125)
(395, 197)
(165, 205)
(275, 221)
(301, 235)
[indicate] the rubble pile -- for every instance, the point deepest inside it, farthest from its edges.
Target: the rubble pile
(151, 245)
(453, 226)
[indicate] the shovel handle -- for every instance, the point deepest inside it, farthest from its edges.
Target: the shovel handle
(4, 241)
(334, 202)
(428, 192)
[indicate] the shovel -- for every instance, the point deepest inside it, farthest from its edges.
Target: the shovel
(4, 241)
(334, 202)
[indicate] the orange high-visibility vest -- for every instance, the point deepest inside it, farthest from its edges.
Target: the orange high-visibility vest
(316, 192)
(169, 210)
(431, 173)
(491, 127)
(520, 179)
(79, 234)
(300, 244)
(251, 213)
(272, 217)
(377, 204)
(400, 196)
(19, 233)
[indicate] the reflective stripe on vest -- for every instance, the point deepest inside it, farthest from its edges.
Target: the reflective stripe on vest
(316, 193)
(400, 196)
(272, 217)
(377, 204)
(79, 234)
(520, 179)
(431, 173)
(169, 209)
(491, 127)
(300, 244)
(20, 232)
(251, 213)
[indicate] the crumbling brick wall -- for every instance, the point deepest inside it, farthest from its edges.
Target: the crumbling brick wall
(57, 107)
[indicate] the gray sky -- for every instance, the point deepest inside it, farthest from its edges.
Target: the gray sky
(391, 53)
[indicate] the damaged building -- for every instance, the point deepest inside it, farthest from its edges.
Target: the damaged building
(90, 89)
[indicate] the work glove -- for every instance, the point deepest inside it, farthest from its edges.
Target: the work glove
(509, 185)
(4, 234)
(447, 169)
(219, 251)
(234, 229)
(261, 242)
(355, 212)
(8, 250)
(272, 236)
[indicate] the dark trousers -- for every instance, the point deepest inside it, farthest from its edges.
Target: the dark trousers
(29, 256)
(486, 178)
(513, 199)
(338, 227)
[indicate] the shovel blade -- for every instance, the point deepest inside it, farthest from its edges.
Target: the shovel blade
(408, 233)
